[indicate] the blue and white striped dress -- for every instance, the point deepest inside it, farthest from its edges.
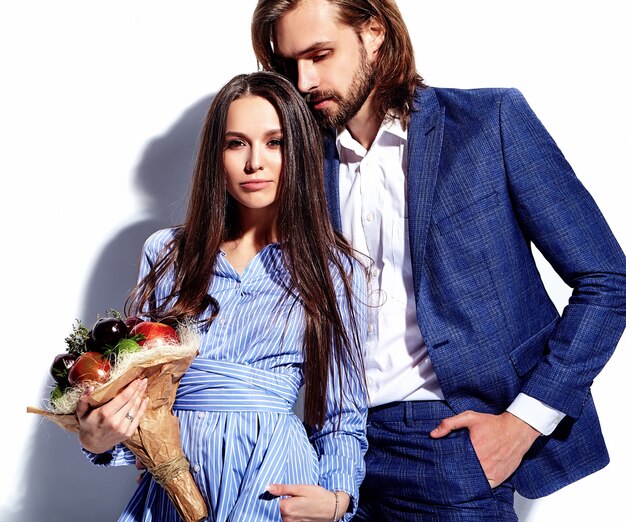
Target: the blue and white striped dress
(234, 404)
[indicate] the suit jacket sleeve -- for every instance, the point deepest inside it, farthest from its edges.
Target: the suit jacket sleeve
(561, 218)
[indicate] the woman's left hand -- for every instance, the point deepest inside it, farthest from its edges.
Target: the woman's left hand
(307, 503)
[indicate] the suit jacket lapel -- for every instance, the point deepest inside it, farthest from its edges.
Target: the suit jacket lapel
(331, 180)
(424, 146)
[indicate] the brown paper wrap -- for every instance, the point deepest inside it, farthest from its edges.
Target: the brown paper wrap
(156, 442)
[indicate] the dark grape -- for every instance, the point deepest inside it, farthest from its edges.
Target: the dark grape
(60, 368)
(132, 320)
(109, 330)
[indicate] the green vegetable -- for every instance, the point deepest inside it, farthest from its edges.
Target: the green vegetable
(56, 394)
(127, 345)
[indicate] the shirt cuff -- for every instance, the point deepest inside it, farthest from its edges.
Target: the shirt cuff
(540, 416)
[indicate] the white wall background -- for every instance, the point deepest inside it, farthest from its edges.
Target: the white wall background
(100, 107)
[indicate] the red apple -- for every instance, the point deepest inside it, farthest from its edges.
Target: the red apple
(89, 367)
(154, 334)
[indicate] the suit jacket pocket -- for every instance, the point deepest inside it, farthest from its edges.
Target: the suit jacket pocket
(525, 356)
(467, 214)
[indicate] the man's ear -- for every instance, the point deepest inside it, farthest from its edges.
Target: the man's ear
(372, 36)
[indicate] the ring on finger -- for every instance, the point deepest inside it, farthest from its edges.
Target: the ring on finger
(130, 417)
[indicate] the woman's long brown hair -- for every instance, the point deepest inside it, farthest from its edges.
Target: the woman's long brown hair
(307, 240)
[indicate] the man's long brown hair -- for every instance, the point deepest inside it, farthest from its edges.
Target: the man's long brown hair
(394, 68)
(309, 245)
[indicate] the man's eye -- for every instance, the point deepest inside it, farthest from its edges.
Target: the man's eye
(320, 57)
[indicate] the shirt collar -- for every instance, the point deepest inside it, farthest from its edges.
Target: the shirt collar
(391, 126)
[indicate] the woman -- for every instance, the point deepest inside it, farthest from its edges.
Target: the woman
(285, 306)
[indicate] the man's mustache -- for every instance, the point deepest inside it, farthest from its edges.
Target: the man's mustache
(315, 96)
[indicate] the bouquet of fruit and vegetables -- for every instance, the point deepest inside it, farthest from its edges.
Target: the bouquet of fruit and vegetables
(108, 357)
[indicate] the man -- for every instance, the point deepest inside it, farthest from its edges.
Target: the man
(478, 387)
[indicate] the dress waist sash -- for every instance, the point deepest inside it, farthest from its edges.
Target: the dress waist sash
(226, 386)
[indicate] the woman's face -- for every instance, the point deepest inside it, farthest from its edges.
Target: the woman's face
(253, 153)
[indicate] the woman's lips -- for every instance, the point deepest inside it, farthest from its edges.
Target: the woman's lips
(256, 184)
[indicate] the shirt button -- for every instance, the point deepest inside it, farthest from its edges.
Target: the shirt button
(222, 320)
(375, 272)
(369, 216)
(201, 415)
(370, 328)
(196, 468)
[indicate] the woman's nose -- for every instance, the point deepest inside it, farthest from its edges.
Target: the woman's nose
(254, 163)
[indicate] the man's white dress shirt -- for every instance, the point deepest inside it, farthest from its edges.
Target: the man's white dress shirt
(372, 192)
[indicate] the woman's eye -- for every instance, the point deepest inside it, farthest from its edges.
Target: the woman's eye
(275, 143)
(233, 144)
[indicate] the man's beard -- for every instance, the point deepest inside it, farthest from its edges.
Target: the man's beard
(348, 105)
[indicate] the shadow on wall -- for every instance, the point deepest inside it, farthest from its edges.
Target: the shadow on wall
(62, 485)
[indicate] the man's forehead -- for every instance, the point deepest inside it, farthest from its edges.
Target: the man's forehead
(309, 27)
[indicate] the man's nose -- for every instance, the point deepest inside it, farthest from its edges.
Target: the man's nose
(308, 79)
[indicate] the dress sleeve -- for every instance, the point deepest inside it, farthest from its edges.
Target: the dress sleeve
(152, 250)
(120, 455)
(341, 442)
(149, 253)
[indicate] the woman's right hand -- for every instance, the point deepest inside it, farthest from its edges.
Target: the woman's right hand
(103, 427)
